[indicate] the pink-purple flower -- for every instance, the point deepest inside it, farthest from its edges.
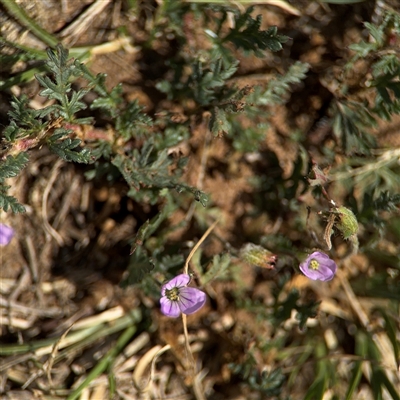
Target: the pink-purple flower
(6, 234)
(177, 297)
(318, 267)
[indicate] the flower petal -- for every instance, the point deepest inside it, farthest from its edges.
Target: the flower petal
(328, 271)
(6, 234)
(169, 308)
(179, 281)
(191, 300)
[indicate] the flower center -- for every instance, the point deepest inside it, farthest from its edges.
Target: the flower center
(314, 264)
(172, 294)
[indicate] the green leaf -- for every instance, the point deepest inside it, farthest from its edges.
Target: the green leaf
(350, 127)
(23, 115)
(361, 350)
(246, 34)
(278, 88)
(391, 330)
(147, 171)
(140, 236)
(68, 149)
(59, 88)
(387, 202)
(11, 202)
(219, 267)
(140, 265)
(13, 165)
(132, 122)
(219, 124)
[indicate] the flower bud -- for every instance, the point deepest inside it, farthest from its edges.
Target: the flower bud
(258, 256)
(347, 224)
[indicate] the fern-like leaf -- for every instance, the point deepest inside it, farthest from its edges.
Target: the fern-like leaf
(68, 149)
(246, 35)
(11, 202)
(13, 165)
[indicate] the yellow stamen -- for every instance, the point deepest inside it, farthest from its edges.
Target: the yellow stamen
(314, 264)
(172, 294)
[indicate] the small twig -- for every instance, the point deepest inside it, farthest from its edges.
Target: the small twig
(198, 244)
(20, 15)
(184, 317)
(84, 21)
(49, 363)
(201, 175)
(49, 312)
(48, 227)
(22, 283)
(125, 361)
(141, 366)
(66, 203)
(387, 157)
(189, 353)
(353, 301)
(153, 362)
(32, 259)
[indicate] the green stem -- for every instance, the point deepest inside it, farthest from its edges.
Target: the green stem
(22, 77)
(20, 15)
(105, 361)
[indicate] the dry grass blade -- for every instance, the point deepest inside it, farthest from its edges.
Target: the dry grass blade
(126, 361)
(106, 316)
(277, 3)
(198, 244)
(141, 383)
(49, 363)
(328, 230)
(282, 97)
(84, 21)
(52, 179)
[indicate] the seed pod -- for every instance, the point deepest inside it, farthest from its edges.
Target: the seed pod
(258, 256)
(347, 223)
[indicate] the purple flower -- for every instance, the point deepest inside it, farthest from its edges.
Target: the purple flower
(177, 297)
(318, 267)
(6, 234)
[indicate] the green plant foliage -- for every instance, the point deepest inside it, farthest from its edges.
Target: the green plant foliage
(385, 65)
(149, 170)
(132, 112)
(387, 202)
(66, 148)
(350, 127)
(219, 267)
(385, 80)
(139, 267)
(28, 120)
(318, 387)
(205, 84)
(391, 21)
(69, 102)
(9, 202)
(246, 34)
(265, 383)
(379, 379)
(278, 88)
(283, 310)
(30, 128)
(277, 328)
(10, 167)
